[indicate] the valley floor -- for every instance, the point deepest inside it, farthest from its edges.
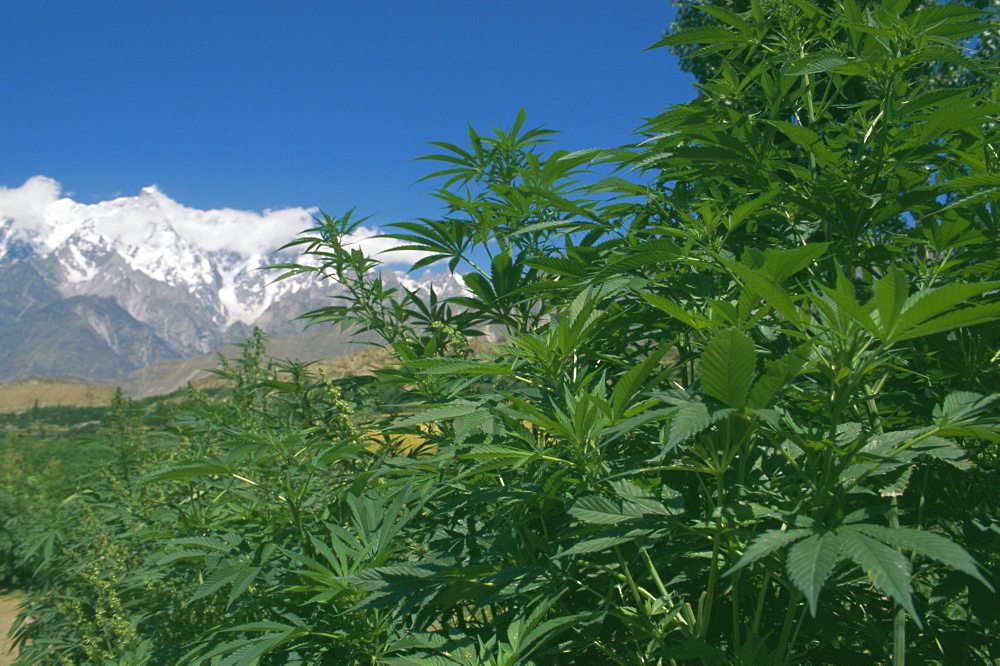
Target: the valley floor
(8, 612)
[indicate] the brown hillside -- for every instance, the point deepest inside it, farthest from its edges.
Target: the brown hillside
(22, 394)
(17, 396)
(334, 367)
(170, 375)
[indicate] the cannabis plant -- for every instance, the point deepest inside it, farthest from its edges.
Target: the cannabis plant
(732, 402)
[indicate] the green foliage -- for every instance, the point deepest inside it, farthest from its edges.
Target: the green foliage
(702, 29)
(741, 406)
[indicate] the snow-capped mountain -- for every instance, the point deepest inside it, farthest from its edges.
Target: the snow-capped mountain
(98, 290)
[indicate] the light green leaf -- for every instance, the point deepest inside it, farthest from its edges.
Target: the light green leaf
(617, 184)
(765, 287)
(635, 380)
(777, 374)
(598, 510)
(596, 544)
(728, 366)
(969, 316)
(844, 299)
(810, 562)
(217, 579)
(963, 408)
(190, 554)
(252, 650)
(261, 625)
(692, 417)
(641, 499)
(452, 410)
(692, 319)
(943, 449)
(889, 451)
(448, 366)
(726, 16)
(933, 14)
(767, 543)
(887, 569)
(890, 294)
(897, 486)
(748, 208)
(503, 455)
(547, 630)
(809, 140)
(700, 36)
(211, 543)
(241, 583)
(816, 64)
(948, 118)
(478, 421)
(964, 182)
(929, 544)
(186, 471)
(929, 303)
(421, 660)
(782, 264)
(637, 420)
(563, 266)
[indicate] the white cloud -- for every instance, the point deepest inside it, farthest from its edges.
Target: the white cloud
(38, 210)
(365, 238)
(26, 205)
(242, 231)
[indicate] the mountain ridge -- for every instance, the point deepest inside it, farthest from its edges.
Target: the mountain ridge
(99, 291)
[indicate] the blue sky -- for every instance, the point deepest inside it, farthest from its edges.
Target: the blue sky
(266, 105)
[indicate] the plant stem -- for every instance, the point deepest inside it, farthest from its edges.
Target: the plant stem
(758, 611)
(899, 638)
(899, 622)
(705, 613)
(794, 596)
(654, 573)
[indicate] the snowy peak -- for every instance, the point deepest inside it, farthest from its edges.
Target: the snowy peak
(214, 255)
(444, 284)
(184, 281)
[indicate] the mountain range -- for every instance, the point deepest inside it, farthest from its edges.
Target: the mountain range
(96, 292)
